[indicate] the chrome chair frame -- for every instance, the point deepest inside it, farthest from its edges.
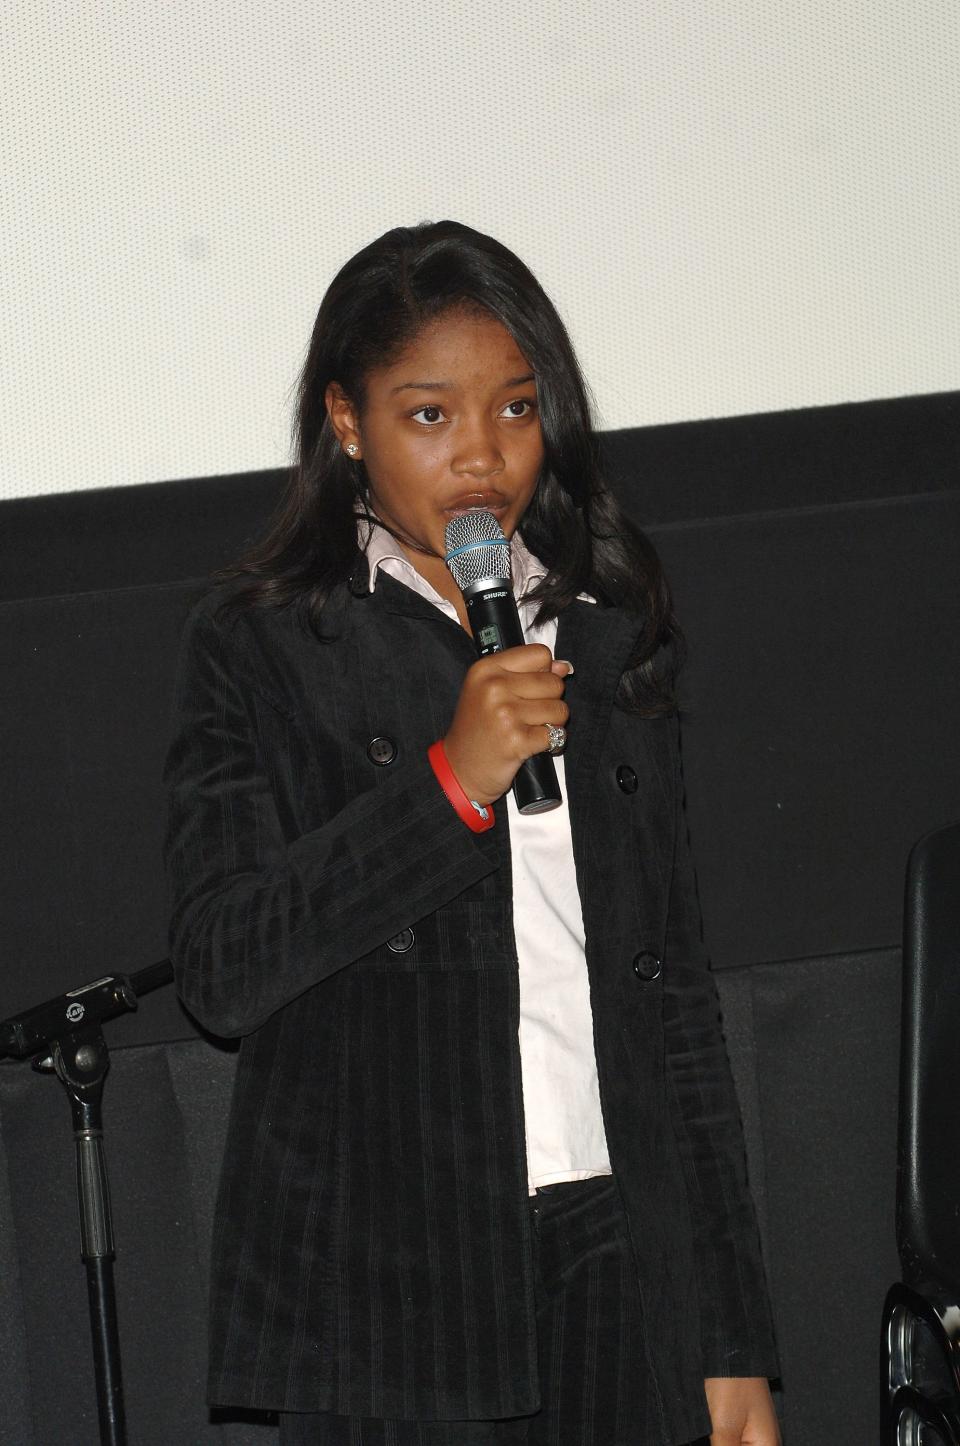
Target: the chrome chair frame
(906, 1407)
(920, 1336)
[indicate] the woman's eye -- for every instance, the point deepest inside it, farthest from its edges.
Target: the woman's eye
(519, 407)
(429, 415)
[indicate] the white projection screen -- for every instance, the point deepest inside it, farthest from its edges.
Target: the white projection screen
(738, 205)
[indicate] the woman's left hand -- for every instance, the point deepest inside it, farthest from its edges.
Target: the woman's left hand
(741, 1411)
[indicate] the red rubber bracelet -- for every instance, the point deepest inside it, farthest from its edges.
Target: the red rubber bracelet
(477, 817)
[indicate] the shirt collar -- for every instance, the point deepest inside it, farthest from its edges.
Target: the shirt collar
(381, 548)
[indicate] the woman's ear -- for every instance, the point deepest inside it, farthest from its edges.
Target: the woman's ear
(344, 419)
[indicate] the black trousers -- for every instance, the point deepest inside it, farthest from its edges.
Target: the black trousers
(594, 1382)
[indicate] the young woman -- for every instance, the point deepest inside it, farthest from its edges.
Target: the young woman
(484, 1176)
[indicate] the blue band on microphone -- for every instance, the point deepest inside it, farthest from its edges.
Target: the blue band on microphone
(473, 546)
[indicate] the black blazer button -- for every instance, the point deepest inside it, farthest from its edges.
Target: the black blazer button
(626, 779)
(381, 751)
(646, 966)
(401, 942)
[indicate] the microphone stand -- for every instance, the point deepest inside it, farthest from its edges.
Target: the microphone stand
(65, 1036)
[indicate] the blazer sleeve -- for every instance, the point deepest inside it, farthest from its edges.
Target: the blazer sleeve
(257, 918)
(736, 1329)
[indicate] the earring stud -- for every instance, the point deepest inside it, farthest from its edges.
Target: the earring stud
(351, 449)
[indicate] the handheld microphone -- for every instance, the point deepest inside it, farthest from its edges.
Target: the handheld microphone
(478, 556)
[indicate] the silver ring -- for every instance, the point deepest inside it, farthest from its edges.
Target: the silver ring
(558, 738)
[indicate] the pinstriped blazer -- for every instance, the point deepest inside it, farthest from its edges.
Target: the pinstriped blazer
(372, 1251)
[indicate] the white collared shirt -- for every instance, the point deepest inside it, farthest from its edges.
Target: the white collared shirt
(561, 1098)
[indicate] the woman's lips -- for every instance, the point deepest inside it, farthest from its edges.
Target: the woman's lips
(477, 502)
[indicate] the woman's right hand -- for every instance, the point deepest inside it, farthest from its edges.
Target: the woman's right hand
(506, 703)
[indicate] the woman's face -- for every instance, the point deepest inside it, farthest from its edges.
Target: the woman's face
(451, 425)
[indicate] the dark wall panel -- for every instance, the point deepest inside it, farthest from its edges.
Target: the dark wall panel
(821, 701)
(122, 537)
(827, 1040)
(730, 466)
(85, 719)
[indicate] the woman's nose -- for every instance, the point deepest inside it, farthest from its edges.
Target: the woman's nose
(477, 452)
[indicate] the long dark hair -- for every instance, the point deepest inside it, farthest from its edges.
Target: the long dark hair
(374, 307)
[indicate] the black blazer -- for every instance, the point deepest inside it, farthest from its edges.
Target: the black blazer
(372, 1251)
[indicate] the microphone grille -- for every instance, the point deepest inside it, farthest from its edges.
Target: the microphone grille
(476, 547)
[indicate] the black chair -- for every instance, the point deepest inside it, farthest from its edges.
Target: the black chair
(920, 1347)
